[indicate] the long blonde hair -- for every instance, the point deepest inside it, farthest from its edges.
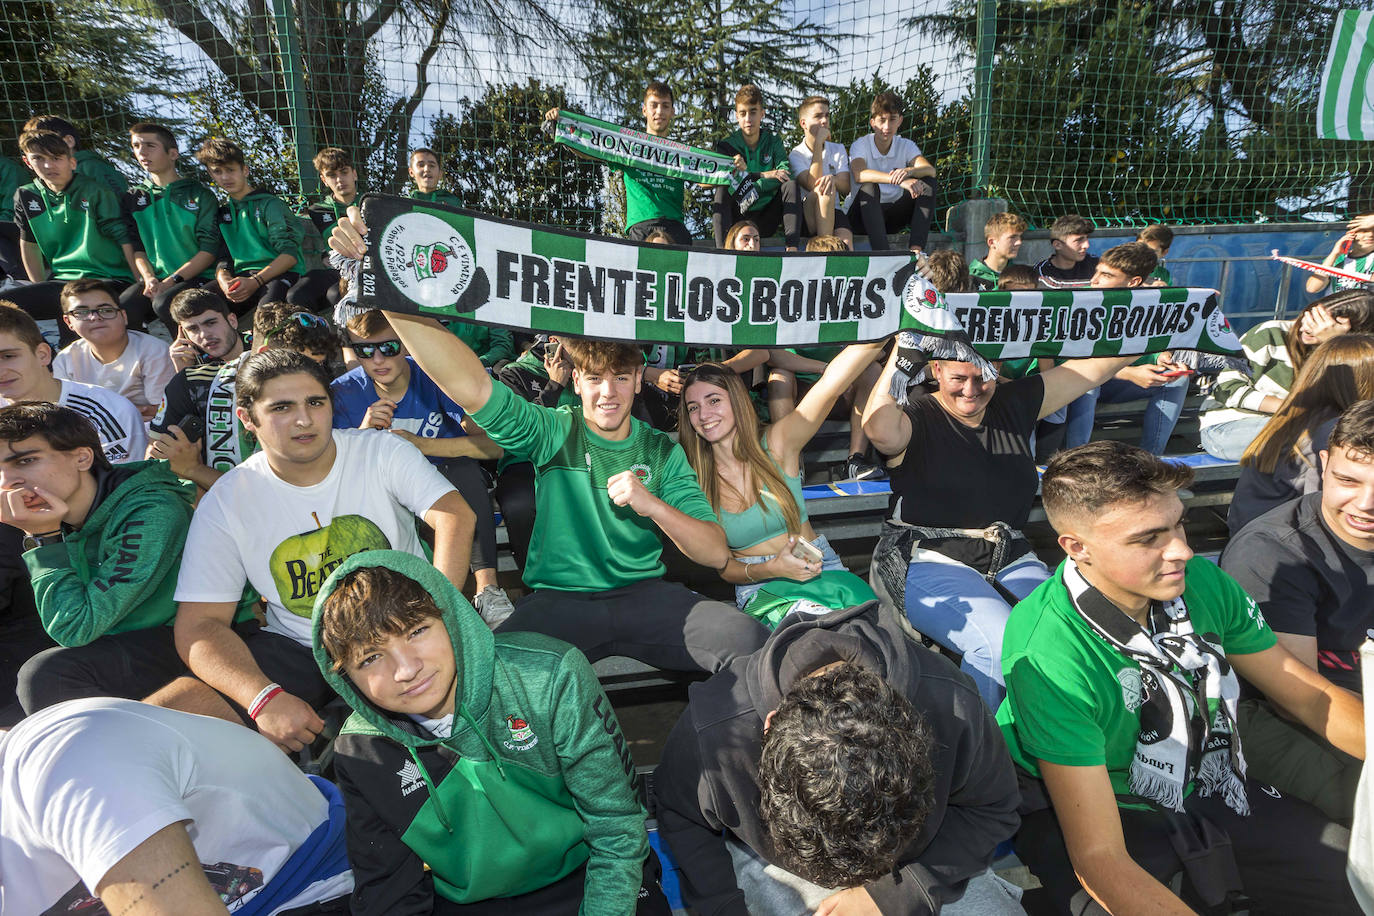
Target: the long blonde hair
(764, 480)
(1335, 375)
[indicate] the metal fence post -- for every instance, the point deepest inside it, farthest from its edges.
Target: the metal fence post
(292, 69)
(982, 95)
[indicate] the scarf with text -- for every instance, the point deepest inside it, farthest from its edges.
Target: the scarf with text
(1188, 696)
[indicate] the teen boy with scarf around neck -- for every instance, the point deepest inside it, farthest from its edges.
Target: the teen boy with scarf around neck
(1122, 684)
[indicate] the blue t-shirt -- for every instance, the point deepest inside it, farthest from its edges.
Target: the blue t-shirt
(425, 410)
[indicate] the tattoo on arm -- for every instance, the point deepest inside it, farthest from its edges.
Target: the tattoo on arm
(133, 904)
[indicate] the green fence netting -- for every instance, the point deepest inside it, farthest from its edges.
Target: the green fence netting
(1127, 112)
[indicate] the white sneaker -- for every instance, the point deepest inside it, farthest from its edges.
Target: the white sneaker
(493, 605)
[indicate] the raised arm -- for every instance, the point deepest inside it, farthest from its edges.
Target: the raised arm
(789, 436)
(1077, 377)
(885, 423)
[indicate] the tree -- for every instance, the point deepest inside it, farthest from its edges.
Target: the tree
(496, 159)
(705, 50)
(340, 60)
(99, 70)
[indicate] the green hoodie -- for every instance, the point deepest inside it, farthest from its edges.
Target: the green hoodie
(490, 344)
(79, 229)
(175, 223)
(118, 571)
(12, 175)
(256, 229)
(93, 165)
(534, 782)
(437, 196)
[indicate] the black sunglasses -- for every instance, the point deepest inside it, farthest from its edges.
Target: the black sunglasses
(384, 347)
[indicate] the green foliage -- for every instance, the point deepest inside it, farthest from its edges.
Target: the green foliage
(84, 61)
(705, 50)
(498, 161)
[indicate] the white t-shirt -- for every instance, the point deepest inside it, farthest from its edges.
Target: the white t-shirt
(84, 783)
(899, 155)
(834, 161)
(117, 421)
(139, 373)
(285, 540)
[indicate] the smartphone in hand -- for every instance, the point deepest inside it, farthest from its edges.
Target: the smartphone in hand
(805, 550)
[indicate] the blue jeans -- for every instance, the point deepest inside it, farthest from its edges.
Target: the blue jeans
(954, 605)
(1161, 414)
(1229, 440)
(771, 891)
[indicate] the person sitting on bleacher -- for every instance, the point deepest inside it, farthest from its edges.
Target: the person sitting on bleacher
(752, 478)
(516, 794)
(848, 755)
(1155, 379)
(280, 522)
(102, 544)
(1284, 462)
(151, 811)
(1309, 564)
(1240, 403)
(1121, 714)
(951, 555)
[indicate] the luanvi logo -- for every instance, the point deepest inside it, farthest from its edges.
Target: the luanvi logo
(411, 778)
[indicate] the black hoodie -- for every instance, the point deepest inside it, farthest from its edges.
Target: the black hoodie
(708, 781)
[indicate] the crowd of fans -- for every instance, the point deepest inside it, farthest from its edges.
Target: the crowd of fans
(273, 518)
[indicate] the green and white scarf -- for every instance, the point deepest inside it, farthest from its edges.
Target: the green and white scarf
(632, 148)
(434, 260)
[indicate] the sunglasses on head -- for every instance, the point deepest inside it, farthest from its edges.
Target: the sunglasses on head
(297, 319)
(385, 347)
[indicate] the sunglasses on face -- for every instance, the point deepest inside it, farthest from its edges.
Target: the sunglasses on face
(297, 319)
(105, 311)
(387, 348)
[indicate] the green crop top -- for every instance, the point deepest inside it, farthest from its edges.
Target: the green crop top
(754, 526)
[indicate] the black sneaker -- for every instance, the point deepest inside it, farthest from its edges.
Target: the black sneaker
(858, 467)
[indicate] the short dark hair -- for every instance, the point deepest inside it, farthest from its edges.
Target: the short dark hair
(949, 272)
(846, 778)
(20, 324)
(1086, 480)
(75, 288)
(1018, 276)
(1070, 224)
(1355, 429)
(260, 368)
(886, 103)
(62, 428)
(306, 337)
(426, 151)
(1158, 233)
(43, 141)
(332, 157)
(749, 94)
(60, 126)
(219, 151)
(368, 604)
(1134, 259)
(809, 101)
(189, 303)
(602, 355)
(369, 323)
(163, 134)
(660, 89)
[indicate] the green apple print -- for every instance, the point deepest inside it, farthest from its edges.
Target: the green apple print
(302, 562)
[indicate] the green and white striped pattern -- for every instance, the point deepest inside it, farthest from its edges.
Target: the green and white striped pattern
(429, 259)
(628, 146)
(1345, 110)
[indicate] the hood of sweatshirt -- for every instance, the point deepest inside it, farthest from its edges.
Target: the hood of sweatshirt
(474, 649)
(142, 475)
(860, 634)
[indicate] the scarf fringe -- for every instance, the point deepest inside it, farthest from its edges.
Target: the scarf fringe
(1146, 782)
(1216, 775)
(915, 351)
(1212, 363)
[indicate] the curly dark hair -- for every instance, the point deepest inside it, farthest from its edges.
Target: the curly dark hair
(845, 777)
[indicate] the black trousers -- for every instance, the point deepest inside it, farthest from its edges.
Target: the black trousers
(642, 229)
(878, 219)
(134, 300)
(1289, 857)
(10, 261)
(784, 211)
(128, 665)
(515, 495)
(660, 623)
(470, 481)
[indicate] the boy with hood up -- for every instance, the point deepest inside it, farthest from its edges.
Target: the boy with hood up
(516, 793)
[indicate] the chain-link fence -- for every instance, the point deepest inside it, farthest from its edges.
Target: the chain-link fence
(1126, 112)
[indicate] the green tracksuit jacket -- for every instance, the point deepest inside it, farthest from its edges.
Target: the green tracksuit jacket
(534, 782)
(93, 165)
(328, 211)
(79, 229)
(175, 223)
(438, 197)
(490, 344)
(12, 175)
(258, 228)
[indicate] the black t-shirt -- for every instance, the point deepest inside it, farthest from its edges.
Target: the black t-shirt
(1077, 275)
(957, 476)
(1308, 582)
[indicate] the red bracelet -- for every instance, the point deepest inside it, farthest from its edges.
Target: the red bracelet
(262, 699)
